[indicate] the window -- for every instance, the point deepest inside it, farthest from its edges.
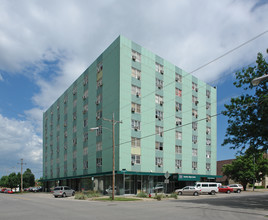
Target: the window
(208, 130)
(178, 121)
(85, 81)
(178, 92)
(99, 67)
(85, 151)
(159, 68)
(99, 83)
(194, 87)
(208, 118)
(194, 126)
(99, 131)
(178, 107)
(159, 115)
(74, 103)
(178, 135)
(159, 99)
(99, 162)
(159, 83)
(159, 131)
(85, 94)
(194, 165)
(99, 114)
(85, 136)
(194, 139)
(208, 94)
(178, 164)
(159, 161)
(99, 146)
(135, 108)
(74, 141)
(178, 78)
(194, 152)
(136, 91)
(74, 116)
(136, 57)
(208, 142)
(208, 105)
(85, 122)
(208, 166)
(74, 129)
(135, 125)
(194, 113)
(85, 164)
(74, 90)
(65, 123)
(208, 154)
(85, 109)
(74, 154)
(178, 149)
(194, 100)
(135, 142)
(135, 159)
(136, 73)
(99, 99)
(159, 146)
(65, 99)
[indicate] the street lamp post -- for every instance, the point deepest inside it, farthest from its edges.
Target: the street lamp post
(113, 124)
(124, 186)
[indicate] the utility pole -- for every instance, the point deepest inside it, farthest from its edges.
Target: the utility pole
(113, 123)
(21, 176)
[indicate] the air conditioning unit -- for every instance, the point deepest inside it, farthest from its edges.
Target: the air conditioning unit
(207, 132)
(178, 167)
(159, 86)
(136, 128)
(194, 168)
(208, 169)
(177, 80)
(138, 94)
(177, 109)
(58, 107)
(196, 89)
(208, 96)
(100, 84)
(84, 111)
(133, 110)
(132, 163)
(65, 101)
(159, 164)
(156, 116)
(196, 116)
(98, 164)
(193, 114)
(195, 129)
(195, 142)
(98, 117)
(196, 102)
(159, 118)
(161, 134)
(177, 123)
(84, 97)
(74, 92)
(161, 102)
(138, 77)
(162, 72)
(97, 102)
(134, 57)
(65, 125)
(74, 117)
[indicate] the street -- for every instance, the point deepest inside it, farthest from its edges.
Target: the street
(41, 206)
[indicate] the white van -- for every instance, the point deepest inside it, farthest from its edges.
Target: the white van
(208, 187)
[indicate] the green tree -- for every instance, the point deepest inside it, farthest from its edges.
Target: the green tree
(28, 178)
(252, 166)
(248, 113)
(13, 181)
(4, 181)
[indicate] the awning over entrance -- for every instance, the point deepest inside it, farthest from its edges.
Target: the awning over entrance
(195, 177)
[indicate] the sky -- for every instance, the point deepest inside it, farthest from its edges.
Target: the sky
(46, 45)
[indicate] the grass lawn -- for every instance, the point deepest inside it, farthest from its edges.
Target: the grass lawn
(117, 199)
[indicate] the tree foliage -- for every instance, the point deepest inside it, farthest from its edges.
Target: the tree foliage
(4, 181)
(28, 178)
(248, 113)
(13, 181)
(245, 169)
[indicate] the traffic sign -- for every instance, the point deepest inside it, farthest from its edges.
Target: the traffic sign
(167, 175)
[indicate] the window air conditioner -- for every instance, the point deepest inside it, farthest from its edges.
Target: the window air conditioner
(136, 128)
(159, 164)
(84, 97)
(138, 77)
(177, 80)
(161, 134)
(138, 94)
(177, 109)
(196, 116)
(162, 72)
(161, 102)
(196, 102)
(132, 163)
(177, 123)
(132, 110)
(196, 89)
(134, 57)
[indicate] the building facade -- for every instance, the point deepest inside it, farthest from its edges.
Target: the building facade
(168, 125)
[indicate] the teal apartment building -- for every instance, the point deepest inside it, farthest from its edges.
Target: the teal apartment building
(168, 125)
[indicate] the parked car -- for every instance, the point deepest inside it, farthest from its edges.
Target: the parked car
(236, 187)
(158, 187)
(3, 190)
(189, 190)
(63, 191)
(36, 189)
(110, 190)
(225, 189)
(208, 187)
(9, 191)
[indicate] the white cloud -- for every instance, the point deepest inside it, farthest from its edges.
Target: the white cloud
(19, 140)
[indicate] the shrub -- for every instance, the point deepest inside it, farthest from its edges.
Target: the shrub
(174, 195)
(91, 193)
(158, 197)
(142, 194)
(80, 196)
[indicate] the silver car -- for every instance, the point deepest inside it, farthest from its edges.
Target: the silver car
(237, 187)
(188, 190)
(63, 191)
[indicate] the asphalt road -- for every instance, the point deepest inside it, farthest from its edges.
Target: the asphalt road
(40, 206)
